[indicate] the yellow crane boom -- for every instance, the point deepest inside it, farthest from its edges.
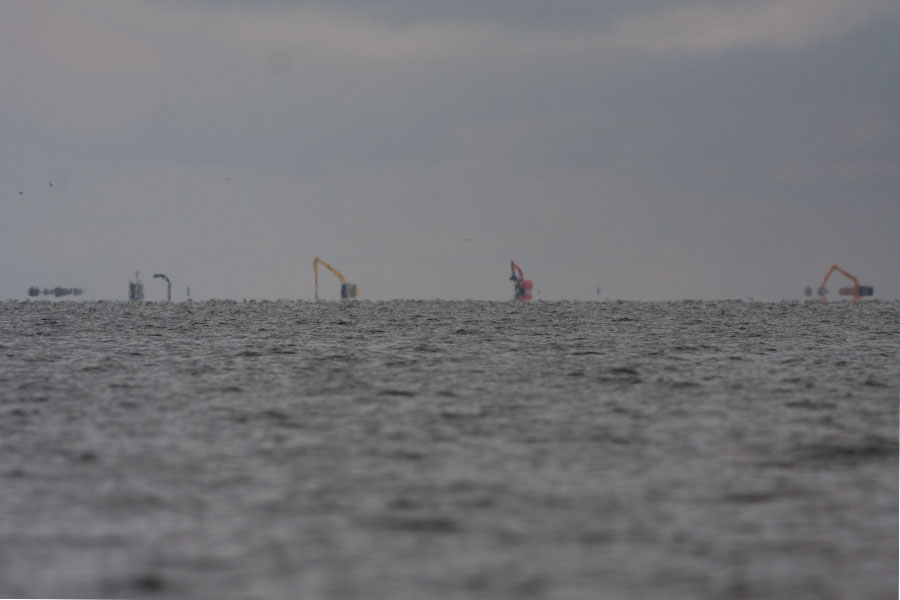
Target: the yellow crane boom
(349, 291)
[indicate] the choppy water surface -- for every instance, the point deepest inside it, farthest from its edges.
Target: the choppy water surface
(449, 450)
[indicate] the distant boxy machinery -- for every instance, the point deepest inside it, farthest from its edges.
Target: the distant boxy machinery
(59, 292)
(136, 288)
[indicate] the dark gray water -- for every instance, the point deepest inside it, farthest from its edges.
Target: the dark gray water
(449, 450)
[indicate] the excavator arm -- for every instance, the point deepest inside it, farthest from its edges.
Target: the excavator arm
(348, 290)
(517, 274)
(318, 261)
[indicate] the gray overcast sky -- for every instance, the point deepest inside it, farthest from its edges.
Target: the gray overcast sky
(656, 149)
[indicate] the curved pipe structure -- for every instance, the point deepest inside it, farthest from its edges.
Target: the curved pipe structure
(168, 284)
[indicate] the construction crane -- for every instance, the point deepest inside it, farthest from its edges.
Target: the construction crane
(856, 290)
(349, 291)
(523, 286)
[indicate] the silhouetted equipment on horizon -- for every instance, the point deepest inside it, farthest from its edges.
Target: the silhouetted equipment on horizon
(856, 290)
(59, 292)
(349, 291)
(136, 288)
(168, 285)
(523, 286)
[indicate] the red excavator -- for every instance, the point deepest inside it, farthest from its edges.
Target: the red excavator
(523, 286)
(856, 290)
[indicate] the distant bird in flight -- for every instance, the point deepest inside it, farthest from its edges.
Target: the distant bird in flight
(21, 193)
(51, 183)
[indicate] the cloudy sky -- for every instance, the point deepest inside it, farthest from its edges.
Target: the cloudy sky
(654, 149)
